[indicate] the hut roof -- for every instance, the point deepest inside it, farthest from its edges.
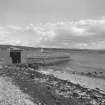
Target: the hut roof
(15, 49)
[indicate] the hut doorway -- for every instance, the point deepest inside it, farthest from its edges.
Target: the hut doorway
(16, 57)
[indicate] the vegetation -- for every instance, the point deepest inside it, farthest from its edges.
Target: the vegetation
(49, 90)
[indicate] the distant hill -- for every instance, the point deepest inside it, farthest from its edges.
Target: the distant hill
(55, 49)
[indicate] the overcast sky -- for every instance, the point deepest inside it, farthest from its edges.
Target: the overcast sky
(53, 23)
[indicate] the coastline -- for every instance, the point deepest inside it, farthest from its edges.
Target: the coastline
(83, 80)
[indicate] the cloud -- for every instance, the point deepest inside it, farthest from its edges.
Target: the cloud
(88, 33)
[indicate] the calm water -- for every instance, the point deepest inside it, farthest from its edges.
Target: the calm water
(82, 80)
(83, 62)
(78, 79)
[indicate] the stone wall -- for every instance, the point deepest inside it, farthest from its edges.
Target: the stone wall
(5, 57)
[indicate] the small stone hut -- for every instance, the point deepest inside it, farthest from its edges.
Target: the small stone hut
(16, 55)
(20, 55)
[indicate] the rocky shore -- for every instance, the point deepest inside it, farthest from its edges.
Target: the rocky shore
(45, 89)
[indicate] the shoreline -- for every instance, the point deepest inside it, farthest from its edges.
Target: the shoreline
(48, 89)
(83, 80)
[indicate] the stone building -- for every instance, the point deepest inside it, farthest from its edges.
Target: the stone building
(16, 55)
(20, 55)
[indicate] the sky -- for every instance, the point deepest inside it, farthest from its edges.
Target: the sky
(53, 23)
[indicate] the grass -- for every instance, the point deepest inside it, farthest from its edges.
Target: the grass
(46, 89)
(39, 92)
(11, 94)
